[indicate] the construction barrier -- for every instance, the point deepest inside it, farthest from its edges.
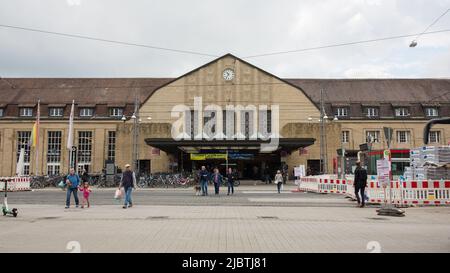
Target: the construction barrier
(425, 193)
(15, 183)
(330, 185)
(400, 192)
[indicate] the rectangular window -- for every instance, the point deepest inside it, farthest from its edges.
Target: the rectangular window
(247, 123)
(342, 112)
(116, 112)
(435, 137)
(23, 141)
(371, 112)
(402, 112)
(345, 137)
(26, 112)
(431, 112)
(403, 136)
(56, 112)
(373, 136)
(54, 152)
(86, 112)
(111, 146)
(84, 150)
(2, 112)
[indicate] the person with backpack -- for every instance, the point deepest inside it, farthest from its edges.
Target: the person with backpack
(72, 183)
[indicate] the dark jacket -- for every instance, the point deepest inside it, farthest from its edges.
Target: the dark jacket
(230, 177)
(128, 179)
(204, 175)
(360, 177)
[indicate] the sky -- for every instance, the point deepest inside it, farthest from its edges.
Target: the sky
(240, 27)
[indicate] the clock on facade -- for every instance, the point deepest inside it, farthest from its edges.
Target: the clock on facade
(228, 74)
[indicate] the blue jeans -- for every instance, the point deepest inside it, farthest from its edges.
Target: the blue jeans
(231, 187)
(204, 185)
(128, 196)
(75, 195)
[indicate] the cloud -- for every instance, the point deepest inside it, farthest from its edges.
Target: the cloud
(219, 27)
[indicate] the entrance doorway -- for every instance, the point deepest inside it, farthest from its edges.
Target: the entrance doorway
(313, 166)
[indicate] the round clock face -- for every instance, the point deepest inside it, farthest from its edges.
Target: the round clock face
(228, 74)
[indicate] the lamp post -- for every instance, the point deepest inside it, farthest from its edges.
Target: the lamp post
(323, 146)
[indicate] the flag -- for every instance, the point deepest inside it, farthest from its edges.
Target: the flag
(35, 132)
(70, 134)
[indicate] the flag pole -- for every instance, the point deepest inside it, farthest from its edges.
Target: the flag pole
(70, 135)
(36, 141)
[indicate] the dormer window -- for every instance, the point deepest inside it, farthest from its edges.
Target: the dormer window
(56, 112)
(26, 112)
(341, 112)
(86, 112)
(116, 112)
(431, 112)
(402, 112)
(372, 112)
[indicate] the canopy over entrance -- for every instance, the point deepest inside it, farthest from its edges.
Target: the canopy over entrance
(194, 146)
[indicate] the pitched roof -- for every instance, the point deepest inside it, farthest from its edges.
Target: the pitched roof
(115, 91)
(367, 91)
(83, 90)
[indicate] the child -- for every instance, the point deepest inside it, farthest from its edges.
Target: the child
(86, 191)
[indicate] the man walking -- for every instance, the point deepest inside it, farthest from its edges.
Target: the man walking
(230, 181)
(128, 182)
(360, 183)
(72, 182)
(204, 178)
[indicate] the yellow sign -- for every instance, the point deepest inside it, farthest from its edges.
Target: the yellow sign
(208, 156)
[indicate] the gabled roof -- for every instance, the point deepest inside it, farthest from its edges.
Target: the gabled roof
(242, 61)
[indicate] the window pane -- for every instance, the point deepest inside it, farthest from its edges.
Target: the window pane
(23, 141)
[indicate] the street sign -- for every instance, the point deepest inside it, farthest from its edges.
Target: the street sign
(383, 172)
(299, 171)
(387, 154)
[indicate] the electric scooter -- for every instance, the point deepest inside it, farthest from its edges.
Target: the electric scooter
(5, 208)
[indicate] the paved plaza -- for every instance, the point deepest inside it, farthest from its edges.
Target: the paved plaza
(255, 219)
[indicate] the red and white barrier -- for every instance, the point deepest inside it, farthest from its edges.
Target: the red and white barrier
(425, 193)
(15, 183)
(400, 193)
(330, 185)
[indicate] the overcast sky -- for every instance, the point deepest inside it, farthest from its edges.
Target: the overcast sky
(240, 27)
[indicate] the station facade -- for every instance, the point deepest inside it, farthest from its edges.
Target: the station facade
(135, 119)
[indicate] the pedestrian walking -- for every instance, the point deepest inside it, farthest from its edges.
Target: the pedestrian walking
(128, 182)
(267, 175)
(217, 179)
(86, 190)
(72, 182)
(204, 178)
(360, 184)
(85, 176)
(279, 180)
(230, 181)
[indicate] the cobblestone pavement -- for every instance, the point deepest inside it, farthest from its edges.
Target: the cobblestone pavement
(251, 221)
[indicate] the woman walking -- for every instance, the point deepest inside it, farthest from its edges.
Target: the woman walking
(279, 180)
(217, 179)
